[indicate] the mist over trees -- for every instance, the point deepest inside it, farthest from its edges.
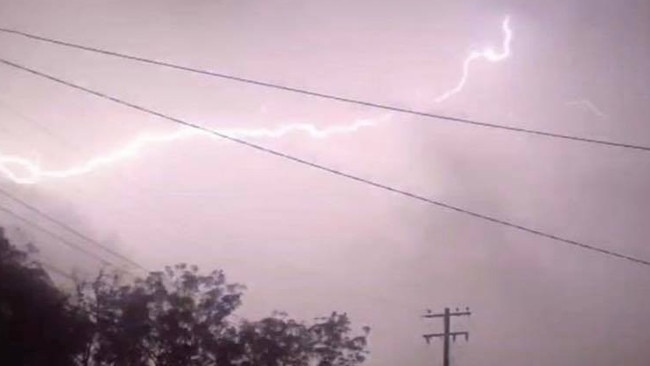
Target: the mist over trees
(177, 316)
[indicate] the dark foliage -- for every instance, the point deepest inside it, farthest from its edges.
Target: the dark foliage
(180, 317)
(175, 317)
(38, 326)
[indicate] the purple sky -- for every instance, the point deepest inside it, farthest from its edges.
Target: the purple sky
(309, 243)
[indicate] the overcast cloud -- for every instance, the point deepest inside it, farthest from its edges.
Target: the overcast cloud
(309, 243)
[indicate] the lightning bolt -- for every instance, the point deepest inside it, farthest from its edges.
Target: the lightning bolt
(588, 105)
(487, 54)
(21, 170)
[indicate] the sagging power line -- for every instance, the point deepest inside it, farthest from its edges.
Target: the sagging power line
(70, 229)
(324, 168)
(61, 239)
(321, 95)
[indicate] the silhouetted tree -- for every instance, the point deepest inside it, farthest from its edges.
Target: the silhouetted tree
(38, 326)
(176, 317)
(168, 318)
(180, 317)
(278, 340)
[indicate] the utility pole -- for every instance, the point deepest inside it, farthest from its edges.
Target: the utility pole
(447, 333)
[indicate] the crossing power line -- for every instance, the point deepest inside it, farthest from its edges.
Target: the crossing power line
(321, 95)
(340, 173)
(60, 238)
(70, 229)
(58, 271)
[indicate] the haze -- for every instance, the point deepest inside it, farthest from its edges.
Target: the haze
(310, 243)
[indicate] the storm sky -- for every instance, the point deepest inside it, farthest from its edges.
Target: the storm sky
(310, 243)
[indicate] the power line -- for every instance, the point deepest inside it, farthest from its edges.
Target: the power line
(57, 236)
(63, 142)
(35, 124)
(70, 229)
(53, 268)
(58, 271)
(325, 95)
(333, 171)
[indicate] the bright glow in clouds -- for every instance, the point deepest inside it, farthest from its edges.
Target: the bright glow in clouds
(21, 170)
(487, 54)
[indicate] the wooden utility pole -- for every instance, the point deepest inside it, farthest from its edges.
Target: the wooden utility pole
(447, 333)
